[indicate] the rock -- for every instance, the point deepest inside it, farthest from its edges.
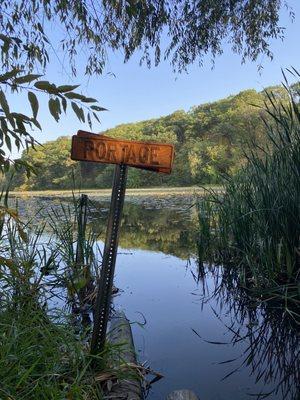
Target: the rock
(182, 395)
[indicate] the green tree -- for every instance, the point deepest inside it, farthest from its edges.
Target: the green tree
(210, 141)
(190, 28)
(52, 166)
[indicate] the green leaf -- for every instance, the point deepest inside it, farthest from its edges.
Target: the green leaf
(5, 38)
(43, 85)
(77, 96)
(20, 125)
(58, 105)
(78, 111)
(34, 104)
(47, 87)
(27, 78)
(18, 143)
(23, 117)
(89, 120)
(53, 109)
(89, 100)
(4, 126)
(8, 142)
(3, 103)
(11, 120)
(97, 108)
(67, 88)
(64, 104)
(96, 116)
(11, 74)
(36, 123)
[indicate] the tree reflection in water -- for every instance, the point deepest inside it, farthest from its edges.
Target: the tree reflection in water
(164, 230)
(269, 330)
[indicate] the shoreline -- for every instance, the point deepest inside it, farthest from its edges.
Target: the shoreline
(136, 192)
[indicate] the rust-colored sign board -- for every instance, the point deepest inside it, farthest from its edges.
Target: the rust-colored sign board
(151, 156)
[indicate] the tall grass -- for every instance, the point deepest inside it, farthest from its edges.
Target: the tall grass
(40, 359)
(78, 252)
(43, 354)
(254, 227)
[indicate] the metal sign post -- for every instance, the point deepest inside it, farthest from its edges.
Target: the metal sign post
(102, 307)
(156, 157)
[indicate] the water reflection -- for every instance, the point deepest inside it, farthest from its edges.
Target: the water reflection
(182, 301)
(166, 230)
(269, 331)
(146, 225)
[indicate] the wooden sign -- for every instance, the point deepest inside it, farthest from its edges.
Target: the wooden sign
(157, 157)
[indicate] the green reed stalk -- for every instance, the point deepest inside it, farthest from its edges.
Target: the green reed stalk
(254, 227)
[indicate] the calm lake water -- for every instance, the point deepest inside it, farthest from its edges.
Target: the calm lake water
(198, 327)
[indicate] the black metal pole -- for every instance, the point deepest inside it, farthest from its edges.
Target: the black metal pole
(103, 300)
(81, 223)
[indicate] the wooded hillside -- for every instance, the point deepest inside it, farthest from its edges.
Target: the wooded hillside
(209, 140)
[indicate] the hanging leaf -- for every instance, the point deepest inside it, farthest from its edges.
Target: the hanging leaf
(67, 88)
(53, 109)
(97, 108)
(47, 87)
(3, 103)
(89, 100)
(4, 126)
(18, 143)
(42, 85)
(8, 142)
(27, 78)
(64, 104)
(11, 74)
(5, 38)
(11, 120)
(77, 96)
(36, 123)
(58, 106)
(78, 111)
(34, 103)
(20, 124)
(89, 120)
(96, 116)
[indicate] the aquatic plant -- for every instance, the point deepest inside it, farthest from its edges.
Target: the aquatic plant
(78, 253)
(41, 355)
(253, 228)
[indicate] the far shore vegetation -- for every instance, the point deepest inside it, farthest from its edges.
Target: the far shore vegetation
(210, 143)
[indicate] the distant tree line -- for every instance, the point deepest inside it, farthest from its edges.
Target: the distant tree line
(209, 140)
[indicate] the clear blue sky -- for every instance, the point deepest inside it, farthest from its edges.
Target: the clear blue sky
(137, 93)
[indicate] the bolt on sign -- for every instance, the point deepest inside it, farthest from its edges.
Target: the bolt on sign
(156, 157)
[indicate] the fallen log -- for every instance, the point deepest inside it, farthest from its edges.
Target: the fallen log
(129, 387)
